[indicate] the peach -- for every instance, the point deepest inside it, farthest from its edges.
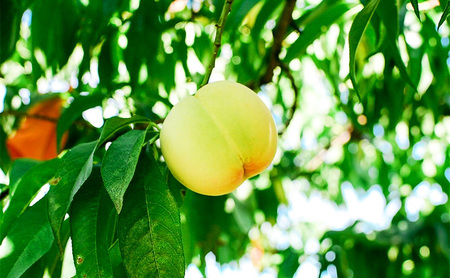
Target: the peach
(216, 139)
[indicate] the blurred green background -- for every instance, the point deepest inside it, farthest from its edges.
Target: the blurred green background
(360, 183)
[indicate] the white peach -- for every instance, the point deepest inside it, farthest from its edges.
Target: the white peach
(219, 137)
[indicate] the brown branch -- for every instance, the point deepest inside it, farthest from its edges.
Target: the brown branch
(218, 40)
(82, 123)
(279, 33)
(25, 114)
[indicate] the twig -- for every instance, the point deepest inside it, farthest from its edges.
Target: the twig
(82, 123)
(294, 106)
(279, 33)
(25, 114)
(218, 40)
(155, 124)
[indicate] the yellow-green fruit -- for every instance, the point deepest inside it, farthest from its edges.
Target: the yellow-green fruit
(215, 140)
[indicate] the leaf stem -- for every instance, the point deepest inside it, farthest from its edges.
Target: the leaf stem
(218, 40)
(153, 139)
(155, 125)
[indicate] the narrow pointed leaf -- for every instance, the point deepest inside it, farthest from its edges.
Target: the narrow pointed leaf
(75, 168)
(88, 221)
(388, 13)
(444, 15)
(415, 4)
(326, 16)
(395, 52)
(149, 226)
(53, 259)
(119, 164)
(30, 238)
(357, 30)
(26, 190)
(117, 125)
(50, 265)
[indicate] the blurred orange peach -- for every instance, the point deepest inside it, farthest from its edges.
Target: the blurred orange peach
(36, 136)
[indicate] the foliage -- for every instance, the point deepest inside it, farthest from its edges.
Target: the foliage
(360, 91)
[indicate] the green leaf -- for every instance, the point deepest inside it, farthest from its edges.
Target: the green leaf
(243, 214)
(74, 111)
(29, 239)
(4, 190)
(290, 263)
(88, 221)
(202, 48)
(51, 263)
(19, 168)
(75, 168)
(357, 30)
(415, 5)
(26, 190)
(444, 14)
(10, 22)
(267, 202)
(240, 9)
(143, 37)
(119, 164)
(5, 160)
(116, 260)
(116, 125)
(107, 60)
(267, 10)
(395, 52)
(53, 259)
(323, 16)
(55, 33)
(149, 226)
(205, 221)
(388, 13)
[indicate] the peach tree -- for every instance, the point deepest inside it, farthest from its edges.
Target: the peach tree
(338, 136)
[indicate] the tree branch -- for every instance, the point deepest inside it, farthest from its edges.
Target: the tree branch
(294, 106)
(279, 33)
(25, 114)
(218, 40)
(83, 123)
